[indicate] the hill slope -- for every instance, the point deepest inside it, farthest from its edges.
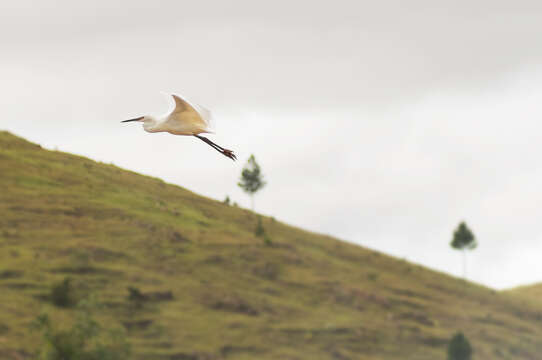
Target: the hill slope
(531, 293)
(213, 289)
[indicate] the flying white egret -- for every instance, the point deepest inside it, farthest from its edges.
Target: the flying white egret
(184, 120)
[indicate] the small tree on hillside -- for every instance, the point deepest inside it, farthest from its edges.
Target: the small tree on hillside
(459, 348)
(251, 179)
(463, 240)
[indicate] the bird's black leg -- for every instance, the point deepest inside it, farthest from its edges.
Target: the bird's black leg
(218, 148)
(210, 143)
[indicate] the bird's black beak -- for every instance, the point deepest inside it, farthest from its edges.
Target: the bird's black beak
(136, 119)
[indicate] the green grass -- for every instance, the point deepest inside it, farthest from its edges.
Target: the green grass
(307, 296)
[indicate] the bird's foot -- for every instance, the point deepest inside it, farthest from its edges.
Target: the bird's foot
(229, 154)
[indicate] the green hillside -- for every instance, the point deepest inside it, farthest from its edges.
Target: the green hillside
(211, 288)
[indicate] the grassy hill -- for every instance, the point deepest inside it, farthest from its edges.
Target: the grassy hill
(529, 293)
(211, 288)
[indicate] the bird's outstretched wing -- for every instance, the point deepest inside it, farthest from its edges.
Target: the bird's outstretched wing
(190, 115)
(181, 105)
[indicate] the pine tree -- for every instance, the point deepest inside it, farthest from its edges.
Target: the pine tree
(251, 179)
(463, 240)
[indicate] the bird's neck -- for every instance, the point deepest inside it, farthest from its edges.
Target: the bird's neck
(151, 125)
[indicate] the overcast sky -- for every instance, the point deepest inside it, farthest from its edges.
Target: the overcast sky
(383, 123)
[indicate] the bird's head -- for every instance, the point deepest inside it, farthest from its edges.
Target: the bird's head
(149, 122)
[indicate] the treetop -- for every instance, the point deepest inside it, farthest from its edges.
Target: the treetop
(463, 238)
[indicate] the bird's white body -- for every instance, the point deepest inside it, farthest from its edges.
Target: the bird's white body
(184, 119)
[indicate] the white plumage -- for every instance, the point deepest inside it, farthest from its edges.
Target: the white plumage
(184, 119)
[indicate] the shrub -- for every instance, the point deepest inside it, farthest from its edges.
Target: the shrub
(62, 294)
(85, 340)
(136, 297)
(459, 348)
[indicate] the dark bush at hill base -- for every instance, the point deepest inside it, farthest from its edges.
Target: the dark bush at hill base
(459, 348)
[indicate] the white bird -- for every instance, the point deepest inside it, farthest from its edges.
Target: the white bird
(184, 120)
